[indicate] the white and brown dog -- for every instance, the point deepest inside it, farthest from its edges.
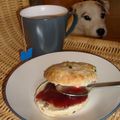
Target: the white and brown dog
(91, 17)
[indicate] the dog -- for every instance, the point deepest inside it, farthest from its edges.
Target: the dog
(91, 18)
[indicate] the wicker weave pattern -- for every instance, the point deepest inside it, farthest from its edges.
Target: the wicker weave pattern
(12, 41)
(109, 50)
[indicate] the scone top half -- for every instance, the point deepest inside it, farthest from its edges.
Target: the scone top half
(71, 74)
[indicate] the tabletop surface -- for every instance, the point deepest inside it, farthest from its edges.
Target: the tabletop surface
(109, 50)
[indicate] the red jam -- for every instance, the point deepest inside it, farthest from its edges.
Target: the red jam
(52, 96)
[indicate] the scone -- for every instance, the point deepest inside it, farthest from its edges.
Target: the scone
(53, 103)
(71, 73)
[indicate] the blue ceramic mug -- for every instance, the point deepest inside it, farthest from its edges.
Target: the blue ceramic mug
(45, 27)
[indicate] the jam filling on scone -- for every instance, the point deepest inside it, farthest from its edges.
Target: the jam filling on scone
(50, 95)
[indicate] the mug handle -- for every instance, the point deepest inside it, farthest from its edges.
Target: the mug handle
(75, 20)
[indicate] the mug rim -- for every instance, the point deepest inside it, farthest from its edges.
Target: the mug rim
(34, 11)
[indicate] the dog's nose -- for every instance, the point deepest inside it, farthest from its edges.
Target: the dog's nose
(100, 32)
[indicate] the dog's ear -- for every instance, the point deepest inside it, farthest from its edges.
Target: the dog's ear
(105, 4)
(72, 10)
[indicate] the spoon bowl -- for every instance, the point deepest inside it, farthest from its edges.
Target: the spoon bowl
(83, 90)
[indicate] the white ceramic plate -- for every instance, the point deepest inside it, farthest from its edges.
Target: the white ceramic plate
(23, 82)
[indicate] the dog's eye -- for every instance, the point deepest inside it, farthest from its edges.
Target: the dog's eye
(86, 17)
(102, 15)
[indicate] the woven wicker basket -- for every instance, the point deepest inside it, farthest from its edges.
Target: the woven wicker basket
(12, 41)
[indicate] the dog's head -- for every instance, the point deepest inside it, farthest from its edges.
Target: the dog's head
(91, 17)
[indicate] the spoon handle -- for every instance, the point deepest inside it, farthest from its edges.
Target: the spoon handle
(104, 84)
